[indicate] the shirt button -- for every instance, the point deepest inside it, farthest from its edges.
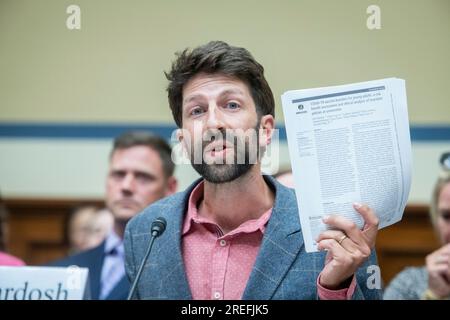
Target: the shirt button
(216, 295)
(223, 243)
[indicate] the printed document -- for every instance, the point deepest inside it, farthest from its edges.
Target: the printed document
(347, 144)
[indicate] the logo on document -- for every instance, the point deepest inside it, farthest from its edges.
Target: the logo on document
(300, 109)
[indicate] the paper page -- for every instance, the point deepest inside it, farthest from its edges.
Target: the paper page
(349, 144)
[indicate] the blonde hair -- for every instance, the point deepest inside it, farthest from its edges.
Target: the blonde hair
(443, 179)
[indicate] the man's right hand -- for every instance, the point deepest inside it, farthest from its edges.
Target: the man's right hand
(438, 267)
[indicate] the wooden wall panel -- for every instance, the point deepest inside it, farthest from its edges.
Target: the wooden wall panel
(406, 243)
(38, 227)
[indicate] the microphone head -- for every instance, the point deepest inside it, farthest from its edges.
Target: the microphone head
(158, 226)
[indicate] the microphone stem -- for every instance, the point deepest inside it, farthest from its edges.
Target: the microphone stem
(141, 267)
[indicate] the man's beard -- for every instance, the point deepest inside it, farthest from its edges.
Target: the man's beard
(226, 172)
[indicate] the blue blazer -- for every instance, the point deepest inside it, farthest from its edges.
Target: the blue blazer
(282, 270)
(93, 260)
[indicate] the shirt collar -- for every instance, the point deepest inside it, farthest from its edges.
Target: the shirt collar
(193, 217)
(192, 212)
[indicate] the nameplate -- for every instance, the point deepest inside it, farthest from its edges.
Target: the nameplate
(43, 283)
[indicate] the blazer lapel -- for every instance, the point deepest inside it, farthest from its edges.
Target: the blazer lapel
(120, 291)
(95, 270)
(175, 284)
(281, 244)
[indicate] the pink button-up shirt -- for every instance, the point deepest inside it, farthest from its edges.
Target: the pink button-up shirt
(218, 265)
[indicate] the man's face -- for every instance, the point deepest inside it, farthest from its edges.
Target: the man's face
(219, 115)
(80, 228)
(135, 180)
(443, 219)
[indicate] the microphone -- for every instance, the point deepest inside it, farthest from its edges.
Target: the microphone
(157, 229)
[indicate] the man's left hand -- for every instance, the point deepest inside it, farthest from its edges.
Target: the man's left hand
(348, 246)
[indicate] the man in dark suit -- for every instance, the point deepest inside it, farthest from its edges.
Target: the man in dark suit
(140, 172)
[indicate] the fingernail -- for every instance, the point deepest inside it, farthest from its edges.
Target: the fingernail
(325, 218)
(357, 205)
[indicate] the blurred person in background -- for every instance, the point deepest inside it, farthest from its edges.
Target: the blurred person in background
(88, 227)
(432, 281)
(5, 258)
(140, 172)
